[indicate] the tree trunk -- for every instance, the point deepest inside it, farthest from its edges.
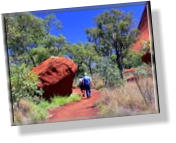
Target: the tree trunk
(89, 66)
(90, 69)
(32, 59)
(119, 62)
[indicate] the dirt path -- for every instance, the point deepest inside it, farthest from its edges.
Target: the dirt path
(83, 109)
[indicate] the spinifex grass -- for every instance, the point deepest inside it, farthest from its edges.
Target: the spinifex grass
(127, 99)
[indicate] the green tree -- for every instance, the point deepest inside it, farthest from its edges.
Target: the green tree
(132, 59)
(91, 57)
(51, 19)
(84, 55)
(113, 34)
(24, 31)
(77, 53)
(23, 83)
(54, 44)
(109, 72)
(40, 54)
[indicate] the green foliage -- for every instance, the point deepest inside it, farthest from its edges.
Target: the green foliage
(145, 46)
(143, 70)
(132, 59)
(84, 55)
(50, 46)
(51, 19)
(109, 73)
(77, 53)
(54, 44)
(40, 54)
(24, 31)
(61, 100)
(92, 58)
(101, 107)
(23, 83)
(113, 35)
(40, 111)
(30, 111)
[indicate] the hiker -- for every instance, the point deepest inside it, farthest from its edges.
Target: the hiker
(86, 83)
(81, 86)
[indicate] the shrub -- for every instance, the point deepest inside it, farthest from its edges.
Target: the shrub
(127, 99)
(97, 81)
(109, 73)
(30, 111)
(132, 59)
(40, 111)
(144, 72)
(145, 46)
(23, 83)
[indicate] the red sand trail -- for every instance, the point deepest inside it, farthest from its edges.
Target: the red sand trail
(83, 109)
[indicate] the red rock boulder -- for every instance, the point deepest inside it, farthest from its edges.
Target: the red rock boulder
(56, 75)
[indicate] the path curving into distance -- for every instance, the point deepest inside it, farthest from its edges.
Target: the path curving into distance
(83, 109)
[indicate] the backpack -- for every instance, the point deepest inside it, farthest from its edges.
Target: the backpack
(86, 80)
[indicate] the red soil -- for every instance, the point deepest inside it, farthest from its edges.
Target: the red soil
(83, 109)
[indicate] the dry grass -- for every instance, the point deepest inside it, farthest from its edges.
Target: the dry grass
(128, 100)
(97, 82)
(29, 111)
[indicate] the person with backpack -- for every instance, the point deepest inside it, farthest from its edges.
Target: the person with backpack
(87, 83)
(81, 86)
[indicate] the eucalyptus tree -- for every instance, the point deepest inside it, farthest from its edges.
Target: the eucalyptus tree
(113, 35)
(24, 32)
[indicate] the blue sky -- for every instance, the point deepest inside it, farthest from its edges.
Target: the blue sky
(75, 20)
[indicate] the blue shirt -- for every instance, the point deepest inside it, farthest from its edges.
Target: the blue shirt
(86, 80)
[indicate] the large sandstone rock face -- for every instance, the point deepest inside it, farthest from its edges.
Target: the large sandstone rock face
(56, 75)
(144, 35)
(143, 32)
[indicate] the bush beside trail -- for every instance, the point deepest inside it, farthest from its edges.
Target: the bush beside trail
(31, 112)
(134, 97)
